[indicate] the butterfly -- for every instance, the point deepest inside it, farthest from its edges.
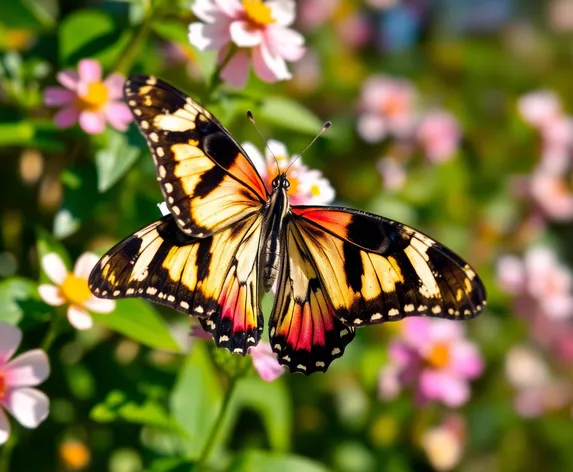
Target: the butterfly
(228, 239)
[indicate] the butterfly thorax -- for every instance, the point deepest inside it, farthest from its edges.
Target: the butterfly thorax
(274, 225)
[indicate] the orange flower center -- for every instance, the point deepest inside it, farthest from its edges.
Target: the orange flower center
(95, 97)
(439, 356)
(76, 290)
(2, 385)
(258, 13)
(74, 454)
(394, 106)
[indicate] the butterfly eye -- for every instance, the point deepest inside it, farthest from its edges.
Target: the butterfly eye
(286, 184)
(275, 182)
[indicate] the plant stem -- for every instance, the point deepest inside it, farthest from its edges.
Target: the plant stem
(212, 439)
(216, 77)
(127, 56)
(8, 449)
(53, 330)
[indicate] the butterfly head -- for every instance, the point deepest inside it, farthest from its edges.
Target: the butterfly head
(280, 182)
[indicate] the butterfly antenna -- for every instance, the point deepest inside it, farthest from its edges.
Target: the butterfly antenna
(251, 118)
(325, 127)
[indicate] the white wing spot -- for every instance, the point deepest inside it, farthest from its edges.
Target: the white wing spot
(238, 350)
(393, 312)
(375, 316)
(301, 367)
(168, 187)
(184, 304)
(151, 290)
(199, 309)
(335, 351)
(357, 321)
(223, 339)
(116, 293)
(171, 298)
(154, 137)
(344, 332)
(319, 364)
(437, 309)
(129, 291)
(409, 308)
(159, 151)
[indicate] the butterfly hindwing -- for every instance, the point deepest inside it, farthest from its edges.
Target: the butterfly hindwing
(207, 180)
(305, 334)
(375, 269)
(213, 278)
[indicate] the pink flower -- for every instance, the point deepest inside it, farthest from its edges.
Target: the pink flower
(260, 31)
(265, 362)
(387, 107)
(84, 97)
(539, 282)
(540, 107)
(72, 288)
(439, 135)
(393, 173)
(551, 192)
(433, 356)
(307, 186)
(28, 405)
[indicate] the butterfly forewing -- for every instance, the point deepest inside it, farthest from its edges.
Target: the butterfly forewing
(375, 270)
(206, 178)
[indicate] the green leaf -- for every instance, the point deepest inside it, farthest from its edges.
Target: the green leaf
(89, 34)
(28, 14)
(20, 303)
(113, 161)
(196, 398)
(288, 114)
(39, 133)
(271, 401)
(137, 320)
(259, 460)
(118, 406)
(170, 464)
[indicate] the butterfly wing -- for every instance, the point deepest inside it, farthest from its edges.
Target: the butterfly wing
(374, 269)
(207, 180)
(213, 278)
(305, 334)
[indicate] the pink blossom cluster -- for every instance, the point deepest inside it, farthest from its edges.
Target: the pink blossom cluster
(548, 185)
(390, 108)
(542, 290)
(435, 358)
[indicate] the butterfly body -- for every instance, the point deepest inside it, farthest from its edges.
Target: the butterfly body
(228, 239)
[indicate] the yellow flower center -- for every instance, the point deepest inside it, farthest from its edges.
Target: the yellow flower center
(439, 356)
(95, 97)
(315, 190)
(75, 455)
(76, 290)
(258, 13)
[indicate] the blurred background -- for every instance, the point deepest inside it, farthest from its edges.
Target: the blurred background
(453, 116)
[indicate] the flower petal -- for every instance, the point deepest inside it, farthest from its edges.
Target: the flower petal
(69, 79)
(28, 405)
(114, 84)
(256, 158)
(236, 72)
(51, 294)
(66, 117)
(265, 362)
(92, 122)
(118, 115)
(283, 11)
(100, 305)
(89, 70)
(286, 43)
(205, 10)
(269, 67)
(79, 318)
(54, 268)
(27, 370)
(231, 8)
(445, 387)
(84, 265)
(372, 128)
(4, 427)
(10, 338)
(244, 35)
(58, 96)
(278, 150)
(210, 36)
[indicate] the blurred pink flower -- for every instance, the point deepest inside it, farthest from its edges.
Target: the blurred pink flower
(393, 173)
(260, 31)
(439, 135)
(540, 107)
(551, 192)
(72, 288)
(315, 13)
(28, 405)
(387, 108)
(84, 97)
(307, 186)
(539, 282)
(537, 392)
(265, 362)
(433, 356)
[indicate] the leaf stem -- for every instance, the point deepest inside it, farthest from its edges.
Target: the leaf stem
(215, 431)
(125, 60)
(53, 330)
(216, 77)
(8, 449)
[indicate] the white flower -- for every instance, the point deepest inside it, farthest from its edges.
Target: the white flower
(72, 288)
(307, 186)
(28, 405)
